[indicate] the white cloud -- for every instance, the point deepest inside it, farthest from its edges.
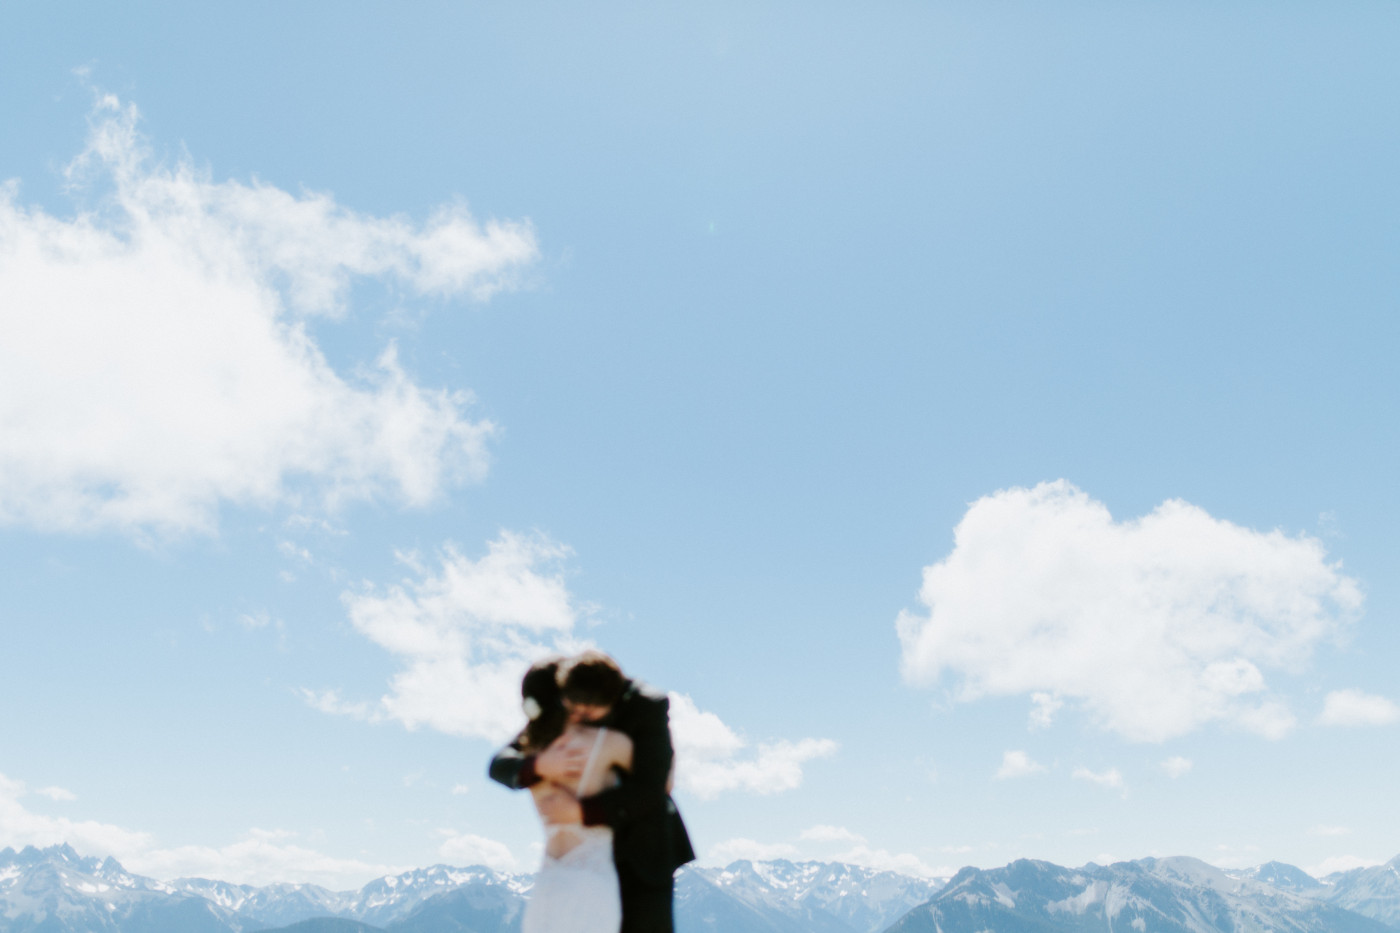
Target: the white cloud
(1154, 627)
(329, 701)
(831, 834)
(459, 790)
(467, 849)
(904, 863)
(1111, 779)
(1340, 863)
(1355, 708)
(1016, 764)
(1330, 831)
(464, 634)
(711, 758)
(734, 850)
(156, 362)
(260, 857)
(61, 794)
(1044, 706)
(1177, 766)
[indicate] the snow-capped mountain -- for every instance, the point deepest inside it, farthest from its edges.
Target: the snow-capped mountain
(56, 890)
(1372, 892)
(1171, 895)
(811, 896)
(1284, 877)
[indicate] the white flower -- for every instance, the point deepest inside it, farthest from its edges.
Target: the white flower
(532, 708)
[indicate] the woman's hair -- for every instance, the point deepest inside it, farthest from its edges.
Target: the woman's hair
(539, 693)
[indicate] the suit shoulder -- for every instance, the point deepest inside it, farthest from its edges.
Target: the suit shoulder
(645, 694)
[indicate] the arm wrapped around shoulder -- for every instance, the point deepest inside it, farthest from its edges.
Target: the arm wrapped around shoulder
(643, 715)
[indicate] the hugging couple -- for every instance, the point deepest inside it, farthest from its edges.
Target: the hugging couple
(596, 756)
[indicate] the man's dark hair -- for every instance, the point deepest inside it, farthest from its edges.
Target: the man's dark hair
(592, 678)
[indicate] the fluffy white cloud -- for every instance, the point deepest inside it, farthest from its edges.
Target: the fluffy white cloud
(157, 365)
(464, 634)
(1355, 708)
(1177, 766)
(1016, 764)
(260, 857)
(1154, 626)
(1330, 831)
(1111, 779)
(711, 758)
(467, 849)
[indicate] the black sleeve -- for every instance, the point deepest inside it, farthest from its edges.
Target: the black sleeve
(646, 721)
(513, 768)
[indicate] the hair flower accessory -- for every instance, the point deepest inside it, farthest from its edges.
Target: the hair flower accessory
(532, 708)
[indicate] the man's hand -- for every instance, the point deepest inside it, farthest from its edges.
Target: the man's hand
(561, 807)
(561, 763)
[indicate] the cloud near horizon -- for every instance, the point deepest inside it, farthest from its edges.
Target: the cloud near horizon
(259, 857)
(1153, 627)
(818, 842)
(157, 364)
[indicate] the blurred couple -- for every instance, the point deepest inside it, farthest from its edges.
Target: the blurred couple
(596, 755)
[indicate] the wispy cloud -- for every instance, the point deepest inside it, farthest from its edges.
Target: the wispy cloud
(1112, 778)
(60, 794)
(1355, 708)
(1177, 766)
(156, 363)
(1154, 627)
(741, 849)
(1016, 764)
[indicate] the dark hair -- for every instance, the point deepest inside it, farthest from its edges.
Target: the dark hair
(592, 678)
(541, 685)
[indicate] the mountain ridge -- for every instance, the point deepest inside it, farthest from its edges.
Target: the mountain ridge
(58, 890)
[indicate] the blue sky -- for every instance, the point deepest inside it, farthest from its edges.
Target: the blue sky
(979, 416)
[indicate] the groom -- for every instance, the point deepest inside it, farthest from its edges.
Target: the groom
(649, 839)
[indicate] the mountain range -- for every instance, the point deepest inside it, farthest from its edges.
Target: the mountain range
(56, 890)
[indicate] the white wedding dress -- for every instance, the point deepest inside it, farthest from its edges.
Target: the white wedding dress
(577, 892)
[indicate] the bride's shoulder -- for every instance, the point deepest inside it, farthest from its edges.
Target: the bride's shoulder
(619, 743)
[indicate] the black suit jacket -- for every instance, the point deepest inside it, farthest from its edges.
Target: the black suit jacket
(649, 838)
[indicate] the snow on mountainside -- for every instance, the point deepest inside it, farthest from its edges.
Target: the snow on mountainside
(59, 891)
(56, 890)
(1284, 877)
(1170, 895)
(1372, 892)
(819, 895)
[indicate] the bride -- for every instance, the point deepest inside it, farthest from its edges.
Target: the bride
(576, 889)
